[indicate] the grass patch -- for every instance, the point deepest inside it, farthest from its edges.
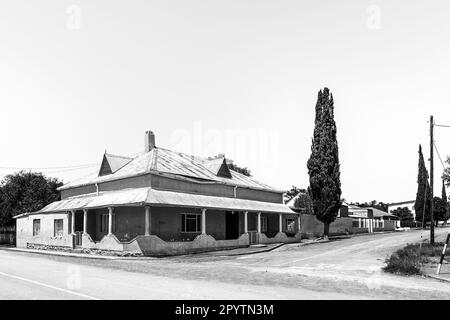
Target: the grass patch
(410, 259)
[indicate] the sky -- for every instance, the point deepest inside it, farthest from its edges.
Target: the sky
(235, 77)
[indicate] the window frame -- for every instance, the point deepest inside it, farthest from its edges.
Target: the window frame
(286, 220)
(184, 218)
(104, 217)
(61, 229)
(36, 231)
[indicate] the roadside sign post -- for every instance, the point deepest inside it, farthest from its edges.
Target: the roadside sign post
(443, 254)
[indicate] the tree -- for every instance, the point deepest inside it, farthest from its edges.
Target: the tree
(446, 174)
(291, 193)
(230, 164)
(26, 192)
(323, 164)
(446, 215)
(304, 202)
(404, 214)
(372, 204)
(242, 170)
(444, 193)
(423, 196)
(440, 209)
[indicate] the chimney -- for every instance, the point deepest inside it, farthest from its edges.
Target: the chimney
(149, 141)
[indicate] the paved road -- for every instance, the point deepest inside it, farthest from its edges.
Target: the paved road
(34, 276)
(342, 269)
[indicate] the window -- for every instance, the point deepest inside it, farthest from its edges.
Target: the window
(36, 227)
(263, 224)
(58, 228)
(191, 222)
(104, 222)
(290, 225)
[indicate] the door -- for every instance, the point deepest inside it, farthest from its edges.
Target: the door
(78, 239)
(231, 225)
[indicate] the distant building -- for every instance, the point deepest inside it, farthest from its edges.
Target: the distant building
(407, 204)
(371, 218)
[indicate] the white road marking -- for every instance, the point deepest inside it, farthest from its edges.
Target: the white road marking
(49, 286)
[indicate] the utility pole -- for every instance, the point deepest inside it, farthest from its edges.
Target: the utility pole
(431, 182)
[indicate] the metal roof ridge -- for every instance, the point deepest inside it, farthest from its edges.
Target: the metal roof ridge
(118, 156)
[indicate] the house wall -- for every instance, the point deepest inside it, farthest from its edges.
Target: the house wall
(167, 183)
(129, 222)
(166, 223)
(272, 224)
(25, 236)
(66, 193)
(310, 226)
(259, 195)
(133, 182)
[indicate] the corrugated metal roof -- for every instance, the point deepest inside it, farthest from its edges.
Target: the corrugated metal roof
(380, 213)
(402, 202)
(167, 161)
(116, 162)
(142, 196)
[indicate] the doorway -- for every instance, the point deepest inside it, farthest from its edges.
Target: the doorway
(231, 225)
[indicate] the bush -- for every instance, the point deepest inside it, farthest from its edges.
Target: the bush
(409, 260)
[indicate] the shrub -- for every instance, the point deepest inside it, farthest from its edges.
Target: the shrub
(404, 261)
(409, 260)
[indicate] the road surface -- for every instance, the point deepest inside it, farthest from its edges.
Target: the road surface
(342, 269)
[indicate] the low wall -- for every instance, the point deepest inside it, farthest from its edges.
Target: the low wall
(154, 246)
(356, 230)
(389, 225)
(110, 243)
(8, 235)
(280, 237)
(312, 227)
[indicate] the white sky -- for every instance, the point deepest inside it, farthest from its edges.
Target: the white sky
(239, 77)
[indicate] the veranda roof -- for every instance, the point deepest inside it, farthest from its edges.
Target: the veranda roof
(143, 196)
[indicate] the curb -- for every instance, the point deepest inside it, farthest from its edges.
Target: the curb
(66, 254)
(254, 252)
(436, 278)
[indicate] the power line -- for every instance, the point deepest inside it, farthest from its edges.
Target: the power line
(442, 125)
(438, 155)
(83, 166)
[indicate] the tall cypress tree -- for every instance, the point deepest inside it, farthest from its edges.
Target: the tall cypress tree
(423, 196)
(444, 192)
(323, 164)
(445, 202)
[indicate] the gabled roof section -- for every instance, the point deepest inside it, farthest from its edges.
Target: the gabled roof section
(380, 213)
(112, 163)
(160, 160)
(219, 167)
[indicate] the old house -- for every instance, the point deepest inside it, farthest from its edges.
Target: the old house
(161, 202)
